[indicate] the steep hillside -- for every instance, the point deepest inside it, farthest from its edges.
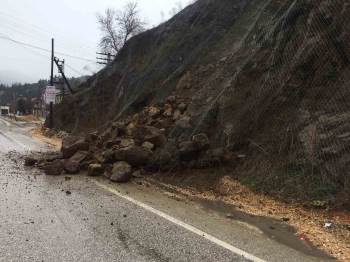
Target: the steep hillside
(266, 81)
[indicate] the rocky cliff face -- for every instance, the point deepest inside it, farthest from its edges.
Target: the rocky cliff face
(267, 81)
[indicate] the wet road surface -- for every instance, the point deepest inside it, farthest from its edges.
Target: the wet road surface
(76, 218)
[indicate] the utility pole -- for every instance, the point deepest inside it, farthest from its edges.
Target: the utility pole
(106, 58)
(61, 70)
(51, 81)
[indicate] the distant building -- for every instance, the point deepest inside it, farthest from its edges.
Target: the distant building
(4, 110)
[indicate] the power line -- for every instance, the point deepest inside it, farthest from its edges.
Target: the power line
(21, 22)
(42, 49)
(74, 70)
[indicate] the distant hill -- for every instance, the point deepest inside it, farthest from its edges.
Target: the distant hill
(9, 92)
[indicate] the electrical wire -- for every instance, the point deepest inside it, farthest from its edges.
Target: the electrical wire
(43, 31)
(74, 70)
(43, 49)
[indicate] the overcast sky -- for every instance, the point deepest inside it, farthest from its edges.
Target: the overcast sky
(73, 25)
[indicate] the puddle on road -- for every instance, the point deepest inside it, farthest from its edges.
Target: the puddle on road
(273, 228)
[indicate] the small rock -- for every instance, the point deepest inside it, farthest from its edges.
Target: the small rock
(110, 143)
(127, 142)
(328, 225)
(177, 115)
(130, 129)
(148, 145)
(201, 141)
(153, 111)
(137, 174)
(231, 216)
(182, 107)
(184, 122)
(121, 172)
(95, 170)
(54, 168)
(171, 99)
(168, 110)
(68, 192)
(30, 161)
(319, 204)
(222, 60)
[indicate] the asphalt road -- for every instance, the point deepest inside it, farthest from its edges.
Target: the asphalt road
(75, 218)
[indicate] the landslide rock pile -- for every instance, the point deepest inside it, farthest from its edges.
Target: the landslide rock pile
(140, 143)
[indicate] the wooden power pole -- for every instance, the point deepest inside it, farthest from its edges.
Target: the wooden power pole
(51, 81)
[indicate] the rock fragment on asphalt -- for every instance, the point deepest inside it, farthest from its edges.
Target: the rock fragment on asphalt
(121, 172)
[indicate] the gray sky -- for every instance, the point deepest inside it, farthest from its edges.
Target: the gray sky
(73, 25)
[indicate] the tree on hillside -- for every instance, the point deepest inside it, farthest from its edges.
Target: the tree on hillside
(21, 106)
(118, 26)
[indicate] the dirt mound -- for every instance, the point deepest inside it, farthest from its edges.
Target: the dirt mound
(267, 82)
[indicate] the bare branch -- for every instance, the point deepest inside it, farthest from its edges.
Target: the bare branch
(118, 26)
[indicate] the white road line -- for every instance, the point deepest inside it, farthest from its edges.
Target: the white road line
(183, 225)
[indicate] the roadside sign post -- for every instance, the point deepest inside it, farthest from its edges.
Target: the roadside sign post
(50, 99)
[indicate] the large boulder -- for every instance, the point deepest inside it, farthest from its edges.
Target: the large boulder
(121, 172)
(135, 155)
(54, 168)
(79, 156)
(73, 144)
(71, 167)
(151, 134)
(189, 150)
(164, 159)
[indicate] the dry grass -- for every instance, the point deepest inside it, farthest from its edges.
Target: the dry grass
(53, 142)
(28, 118)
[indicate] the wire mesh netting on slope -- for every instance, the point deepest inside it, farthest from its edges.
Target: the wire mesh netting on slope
(259, 87)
